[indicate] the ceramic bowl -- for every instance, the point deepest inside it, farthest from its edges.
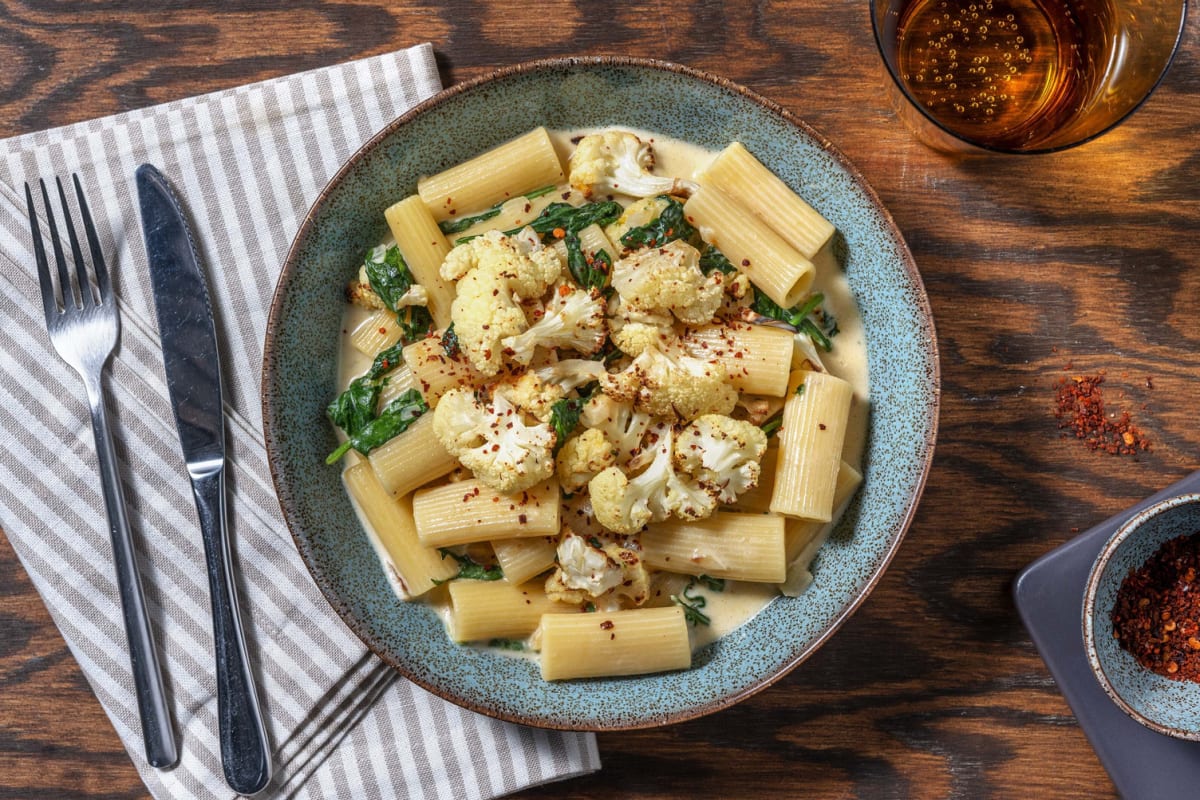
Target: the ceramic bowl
(299, 375)
(1161, 704)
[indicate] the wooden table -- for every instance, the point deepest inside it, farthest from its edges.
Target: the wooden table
(1037, 268)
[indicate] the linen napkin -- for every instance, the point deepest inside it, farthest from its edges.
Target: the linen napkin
(248, 161)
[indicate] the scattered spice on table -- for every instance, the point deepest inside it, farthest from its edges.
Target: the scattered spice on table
(1157, 613)
(1079, 408)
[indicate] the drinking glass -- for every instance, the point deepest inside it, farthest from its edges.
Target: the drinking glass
(1023, 76)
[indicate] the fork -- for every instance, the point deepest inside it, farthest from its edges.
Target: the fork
(83, 325)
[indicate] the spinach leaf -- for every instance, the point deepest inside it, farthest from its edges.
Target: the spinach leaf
(667, 227)
(802, 317)
(450, 344)
(386, 361)
(589, 272)
(712, 258)
(449, 226)
(353, 409)
(564, 416)
(415, 324)
(393, 420)
(389, 276)
(469, 568)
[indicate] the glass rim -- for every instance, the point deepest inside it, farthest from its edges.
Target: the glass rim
(916, 104)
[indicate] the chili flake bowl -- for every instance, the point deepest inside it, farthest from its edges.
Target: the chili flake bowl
(1170, 707)
(300, 375)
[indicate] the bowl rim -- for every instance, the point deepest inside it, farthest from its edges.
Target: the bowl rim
(291, 263)
(1127, 529)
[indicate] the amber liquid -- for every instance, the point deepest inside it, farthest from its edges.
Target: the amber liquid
(1008, 74)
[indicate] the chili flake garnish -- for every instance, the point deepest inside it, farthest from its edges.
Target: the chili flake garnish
(1157, 612)
(1079, 407)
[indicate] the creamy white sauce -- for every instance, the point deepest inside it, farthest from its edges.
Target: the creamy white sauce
(740, 600)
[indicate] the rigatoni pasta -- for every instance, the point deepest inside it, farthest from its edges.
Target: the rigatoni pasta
(526, 163)
(743, 177)
(772, 265)
(582, 412)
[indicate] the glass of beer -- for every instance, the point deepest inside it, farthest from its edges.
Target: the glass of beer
(1023, 76)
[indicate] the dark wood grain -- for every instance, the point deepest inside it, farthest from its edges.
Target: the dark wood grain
(1037, 268)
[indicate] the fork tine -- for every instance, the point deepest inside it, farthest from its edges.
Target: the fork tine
(93, 244)
(86, 297)
(64, 278)
(49, 298)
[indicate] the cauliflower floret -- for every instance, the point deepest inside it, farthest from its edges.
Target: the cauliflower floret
(360, 293)
(668, 279)
(625, 506)
(722, 454)
(667, 383)
(493, 441)
(532, 395)
(582, 457)
(586, 572)
(616, 161)
(493, 274)
(619, 422)
(571, 373)
(572, 318)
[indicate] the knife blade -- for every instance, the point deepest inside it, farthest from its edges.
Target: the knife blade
(193, 369)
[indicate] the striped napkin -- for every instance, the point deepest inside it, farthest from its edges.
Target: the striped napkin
(248, 162)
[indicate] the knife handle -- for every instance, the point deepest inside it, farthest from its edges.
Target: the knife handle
(245, 755)
(157, 734)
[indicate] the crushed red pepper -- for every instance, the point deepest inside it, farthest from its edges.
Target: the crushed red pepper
(1079, 408)
(1156, 617)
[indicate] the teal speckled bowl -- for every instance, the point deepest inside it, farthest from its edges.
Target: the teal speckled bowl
(299, 379)
(1163, 705)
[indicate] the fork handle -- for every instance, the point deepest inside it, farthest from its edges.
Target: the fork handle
(245, 755)
(147, 674)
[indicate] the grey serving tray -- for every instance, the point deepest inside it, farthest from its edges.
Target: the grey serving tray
(1049, 597)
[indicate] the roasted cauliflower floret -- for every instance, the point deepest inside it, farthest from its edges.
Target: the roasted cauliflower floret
(668, 383)
(532, 395)
(722, 454)
(571, 373)
(617, 161)
(493, 441)
(572, 319)
(494, 273)
(589, 573)
(621, 425)
(625, 505)
(581, 457)
(668, 280)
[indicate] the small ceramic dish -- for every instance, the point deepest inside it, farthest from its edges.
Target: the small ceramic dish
(1167, 706)
(300, 373)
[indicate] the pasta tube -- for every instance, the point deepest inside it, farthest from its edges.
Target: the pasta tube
(522, 559)
(757, 357)
(468, 511)
(631, 642)
(768, 261)
(518, 166)
(745, 547)
(810, 445)
(424, 248)
(743, 177)
(415, 566)
(498, 609)
(412, 459)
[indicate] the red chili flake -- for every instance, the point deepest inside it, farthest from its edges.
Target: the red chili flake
(1079, 407)
(607, 625)
(521, 518)
(453, 212)
(745, 262)
(821, 425)
(1157, 612)
(383, 331)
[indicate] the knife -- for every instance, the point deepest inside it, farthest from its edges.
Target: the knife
(189, 342)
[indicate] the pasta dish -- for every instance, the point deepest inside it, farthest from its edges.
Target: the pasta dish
(603, 397)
